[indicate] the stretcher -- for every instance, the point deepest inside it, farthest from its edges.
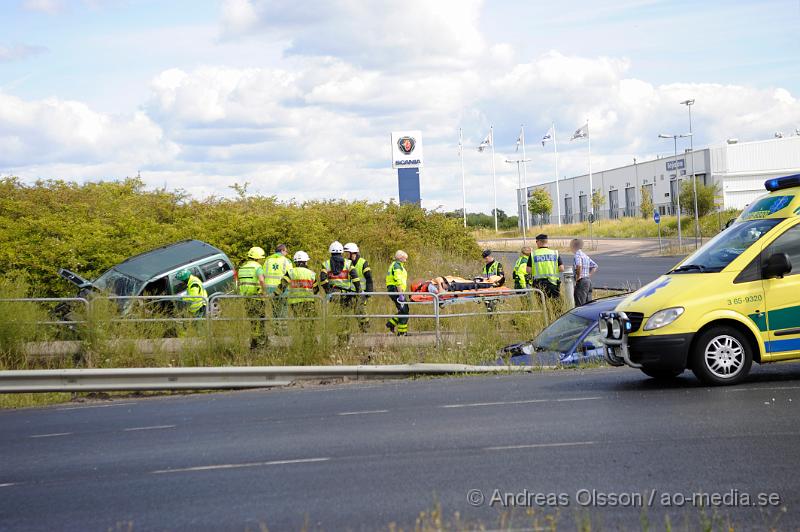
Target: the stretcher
(451, 289)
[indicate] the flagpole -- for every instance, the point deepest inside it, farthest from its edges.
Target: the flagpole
(494, 177)
(558, 193)
(463, 184)
(525, 177)
(591, 187)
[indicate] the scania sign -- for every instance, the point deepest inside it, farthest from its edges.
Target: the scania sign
(407, 149)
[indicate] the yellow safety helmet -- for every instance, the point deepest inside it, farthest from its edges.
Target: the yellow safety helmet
(256, 253)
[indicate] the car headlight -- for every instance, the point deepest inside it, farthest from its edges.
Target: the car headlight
(662, 318)
(603, 326)
(616, 329)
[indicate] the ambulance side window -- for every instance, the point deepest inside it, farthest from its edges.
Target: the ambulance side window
(789, 243)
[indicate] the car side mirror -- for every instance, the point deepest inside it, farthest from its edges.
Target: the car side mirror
(776, 265)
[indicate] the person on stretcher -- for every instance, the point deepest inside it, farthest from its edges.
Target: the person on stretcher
(452, 283)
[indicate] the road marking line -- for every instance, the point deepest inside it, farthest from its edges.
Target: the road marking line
(358, 413)
(7, 484)
(522, 402)
(51, 435)
(236, 466)
(539, 445)
(153, 427)
(765, 388)
(93, 406)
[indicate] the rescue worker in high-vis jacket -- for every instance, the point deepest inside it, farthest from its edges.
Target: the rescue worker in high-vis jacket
(196, 296)
(276, 267)
(397, 281)
(338, 274)
(299, 286)
(521, 277)
(250, 275)
(364, 273)
(545, 267)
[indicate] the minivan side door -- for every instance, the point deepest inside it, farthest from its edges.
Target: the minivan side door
(782, 299)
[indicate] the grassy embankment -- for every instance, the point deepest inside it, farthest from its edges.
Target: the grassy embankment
(710, 225)
(89, 228)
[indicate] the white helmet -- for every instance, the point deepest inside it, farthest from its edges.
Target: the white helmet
(301, 256)
(351, 247)
(336, 247)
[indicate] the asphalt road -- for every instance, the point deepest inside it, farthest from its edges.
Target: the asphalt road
(615, 270)
(362, 456)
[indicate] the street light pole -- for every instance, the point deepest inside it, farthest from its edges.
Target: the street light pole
(523, 209)
(689, 104)
(677, 179)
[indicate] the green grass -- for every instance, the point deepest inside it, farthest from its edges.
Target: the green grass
(624, 228)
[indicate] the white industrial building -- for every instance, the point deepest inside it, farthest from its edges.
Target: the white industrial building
(740, 169)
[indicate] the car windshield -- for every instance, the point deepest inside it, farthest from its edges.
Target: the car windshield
(118, 283)
(726, 246)
(560, 335)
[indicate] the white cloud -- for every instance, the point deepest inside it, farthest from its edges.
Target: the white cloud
(50, 7)
(18, 52)
(379, 33)
(58, 131)
(315, 122)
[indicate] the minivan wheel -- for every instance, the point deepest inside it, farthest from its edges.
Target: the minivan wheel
(722, 355)
(661, 374)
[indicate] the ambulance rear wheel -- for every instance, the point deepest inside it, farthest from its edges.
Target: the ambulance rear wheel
(721, 356)
(661, 374)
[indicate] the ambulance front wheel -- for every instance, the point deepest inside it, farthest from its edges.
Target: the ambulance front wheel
(722, 355)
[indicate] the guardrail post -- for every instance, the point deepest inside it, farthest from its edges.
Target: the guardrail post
(569, 289)
(437, 321)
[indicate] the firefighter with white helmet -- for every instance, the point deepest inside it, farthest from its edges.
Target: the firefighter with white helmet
(338, 274)
(340, 281)
(364, 273)
(298, 286)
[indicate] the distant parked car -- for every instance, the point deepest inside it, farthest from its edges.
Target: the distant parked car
(572, 338)
(153, 273)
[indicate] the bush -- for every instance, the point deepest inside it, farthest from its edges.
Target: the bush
(90, 227)
(706, 196)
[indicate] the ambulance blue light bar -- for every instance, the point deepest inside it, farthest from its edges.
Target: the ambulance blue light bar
(780, 183)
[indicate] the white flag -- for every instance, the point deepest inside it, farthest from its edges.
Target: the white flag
(547, 136)
(582, 132)
(487, 143)
(520, 139)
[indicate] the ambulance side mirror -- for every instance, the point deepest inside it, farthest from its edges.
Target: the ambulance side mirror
(776, 265)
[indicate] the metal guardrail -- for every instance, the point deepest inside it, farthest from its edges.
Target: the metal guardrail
(214, 314)
(140, 379)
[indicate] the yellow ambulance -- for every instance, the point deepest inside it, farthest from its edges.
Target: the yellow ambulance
(734, 301)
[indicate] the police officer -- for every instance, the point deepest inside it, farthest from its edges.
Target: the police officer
(397, 281)
(521, 276)
(545, 266)
(492, 268)
(250, 276)
(196, 295)
(364, 272)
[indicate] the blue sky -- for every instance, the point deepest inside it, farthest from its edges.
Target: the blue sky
(299, 98)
